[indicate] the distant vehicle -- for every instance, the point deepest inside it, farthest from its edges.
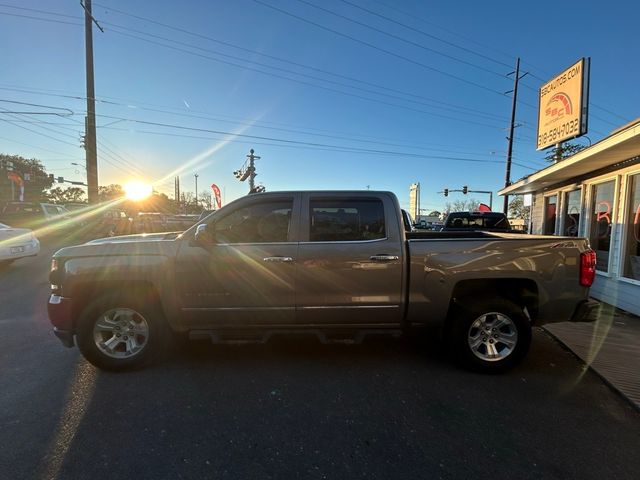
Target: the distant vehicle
(17, 243)
(180, 222)
(114, 222)
(72, 207)
(486, 221)
(35, 216)
(150, 222)
(205, 214)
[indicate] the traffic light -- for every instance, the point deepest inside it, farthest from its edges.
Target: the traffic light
(446, 192)
(465, 189)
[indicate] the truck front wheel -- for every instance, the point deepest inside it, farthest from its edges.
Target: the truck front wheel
(121, 333)
(490, 335)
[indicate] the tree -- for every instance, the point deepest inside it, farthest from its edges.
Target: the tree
(566, 150)
(110, 192)
(462, 205)
(206, 199)
(33, 173)
(68, 195)
(517, 208)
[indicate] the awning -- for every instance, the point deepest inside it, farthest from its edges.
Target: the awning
(621, 145)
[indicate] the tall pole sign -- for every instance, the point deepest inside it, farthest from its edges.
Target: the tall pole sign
(563, 106)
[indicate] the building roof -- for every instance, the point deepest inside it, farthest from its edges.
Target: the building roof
(622, 144)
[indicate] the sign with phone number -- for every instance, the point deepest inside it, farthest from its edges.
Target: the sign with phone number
(562, 111)
(559, 133)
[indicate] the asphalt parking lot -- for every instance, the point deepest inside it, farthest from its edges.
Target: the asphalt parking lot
(296, 409)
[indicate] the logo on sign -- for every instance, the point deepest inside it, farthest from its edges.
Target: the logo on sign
(558, 106)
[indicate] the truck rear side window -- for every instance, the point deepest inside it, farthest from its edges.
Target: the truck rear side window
(350, 220)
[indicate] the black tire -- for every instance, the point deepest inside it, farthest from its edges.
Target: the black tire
(139, 311)
(475, 321)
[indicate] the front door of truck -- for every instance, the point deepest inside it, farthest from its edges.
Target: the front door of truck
(246, 275)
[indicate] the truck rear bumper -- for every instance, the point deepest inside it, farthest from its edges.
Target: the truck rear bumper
(586, 311)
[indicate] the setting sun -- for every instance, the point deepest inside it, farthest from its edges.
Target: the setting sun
(137, 190)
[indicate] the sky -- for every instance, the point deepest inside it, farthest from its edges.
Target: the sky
(331, 94)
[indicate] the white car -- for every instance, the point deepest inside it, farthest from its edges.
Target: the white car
(17, 243)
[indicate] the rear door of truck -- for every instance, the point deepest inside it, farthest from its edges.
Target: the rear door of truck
(350, 260)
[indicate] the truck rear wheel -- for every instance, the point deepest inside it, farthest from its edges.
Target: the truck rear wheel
(490, 335)
(122, 333)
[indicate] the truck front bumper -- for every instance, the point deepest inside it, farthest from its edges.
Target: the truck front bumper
(59, 310)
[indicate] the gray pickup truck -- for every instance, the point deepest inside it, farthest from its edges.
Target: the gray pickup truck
(336, 264)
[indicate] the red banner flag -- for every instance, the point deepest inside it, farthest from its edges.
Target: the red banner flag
(483, 207)
(216, 193)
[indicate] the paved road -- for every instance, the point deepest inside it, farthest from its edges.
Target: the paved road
(296, 409)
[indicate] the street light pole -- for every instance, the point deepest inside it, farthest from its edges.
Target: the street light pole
(196, 177)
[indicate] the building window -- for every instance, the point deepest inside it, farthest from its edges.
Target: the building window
(572, 213)
(632, 240)
(601, 221)
(550, 204)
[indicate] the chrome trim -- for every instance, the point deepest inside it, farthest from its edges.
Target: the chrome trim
(345, 241)
(384, 258)
(343, 307)
(232, 309)
(254, 243)
(278, 259)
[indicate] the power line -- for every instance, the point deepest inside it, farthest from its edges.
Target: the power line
(450, 106)
(397, 37)
(354, 95)
(429, 35)
(39, 18)
(280, 59)
(111, 162)
(380, 49)
(284, 142)
(337, 135)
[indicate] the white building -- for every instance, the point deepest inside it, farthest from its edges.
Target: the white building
(596, 194)
(414, 200)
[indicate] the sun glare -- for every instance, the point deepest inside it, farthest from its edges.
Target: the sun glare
(137, 190)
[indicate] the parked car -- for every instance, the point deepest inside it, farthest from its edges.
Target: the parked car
(44, 218)
(113, 222)
(150, 222)
(339, 265)
(17, 243)
(486, 221)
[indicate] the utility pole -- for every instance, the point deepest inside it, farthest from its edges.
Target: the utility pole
(248, 170)
(507, 176)
(91, 150)
(252, 169)
(195, 175)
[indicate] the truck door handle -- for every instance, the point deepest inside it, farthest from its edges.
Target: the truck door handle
(383, 258)
(278, 259)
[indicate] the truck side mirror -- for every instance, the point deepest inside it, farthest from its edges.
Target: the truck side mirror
(204, 236)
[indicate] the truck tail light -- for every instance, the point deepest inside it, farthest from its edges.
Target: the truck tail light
(587, 268)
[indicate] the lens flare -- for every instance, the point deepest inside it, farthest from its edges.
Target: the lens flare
(137, 190)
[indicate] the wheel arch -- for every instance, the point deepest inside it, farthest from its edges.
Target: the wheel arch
(86, 293)
(521, 291)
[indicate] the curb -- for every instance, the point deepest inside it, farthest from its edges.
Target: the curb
(604, 379)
